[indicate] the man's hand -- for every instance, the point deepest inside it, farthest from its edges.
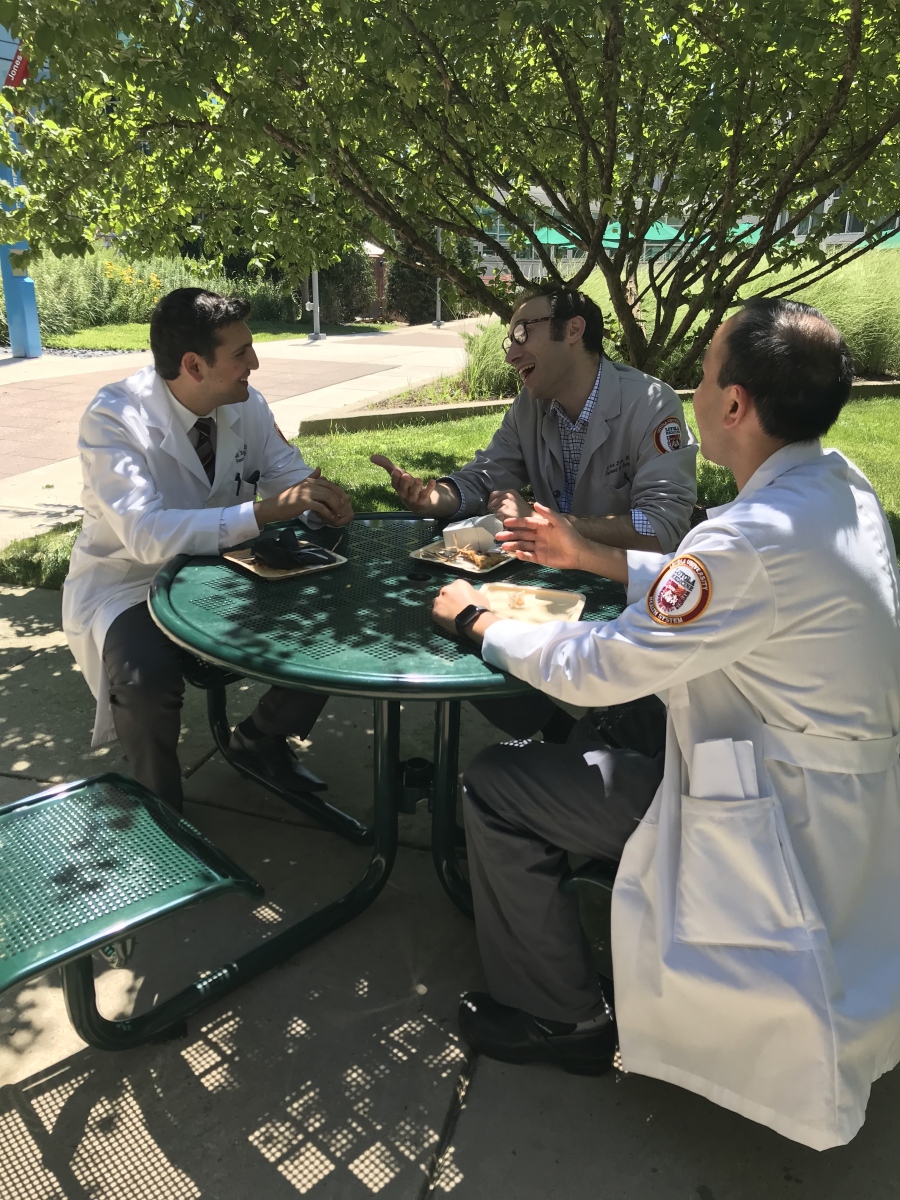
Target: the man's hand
(452, 599)
(546, 537)
(315, 494)
(549, 538)
(429, 499)
(506, 505)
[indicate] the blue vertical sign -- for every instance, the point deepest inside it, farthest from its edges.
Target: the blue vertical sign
(18, 286)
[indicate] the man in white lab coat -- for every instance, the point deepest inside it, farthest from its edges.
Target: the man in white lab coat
(755, 943)
(172, 459)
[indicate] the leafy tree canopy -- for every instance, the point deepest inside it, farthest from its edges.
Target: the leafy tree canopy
(289, 130)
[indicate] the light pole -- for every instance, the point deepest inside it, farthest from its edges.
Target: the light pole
(317, 335)
(437, 322)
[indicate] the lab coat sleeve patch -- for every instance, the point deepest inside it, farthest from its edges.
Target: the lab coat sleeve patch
(281, 435)
(668, 436)
(681, 593)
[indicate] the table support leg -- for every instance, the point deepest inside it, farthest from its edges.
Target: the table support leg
(314, 806)
(168, 1018)
(443, 814)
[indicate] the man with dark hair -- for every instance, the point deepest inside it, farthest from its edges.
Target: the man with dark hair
(173, 458)
(755, 947)
(597, 441)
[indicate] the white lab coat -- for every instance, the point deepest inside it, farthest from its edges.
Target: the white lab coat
(147, 498)
(756, 944)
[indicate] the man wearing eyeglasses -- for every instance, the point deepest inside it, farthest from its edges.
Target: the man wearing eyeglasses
(597, 441)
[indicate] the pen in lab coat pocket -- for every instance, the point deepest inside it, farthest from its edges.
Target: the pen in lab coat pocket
(252, 480)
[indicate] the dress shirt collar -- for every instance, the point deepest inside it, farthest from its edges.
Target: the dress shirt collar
(183, 416)
(585, 415)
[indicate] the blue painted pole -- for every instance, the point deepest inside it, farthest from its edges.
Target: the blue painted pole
(18, 292)
(21, 304)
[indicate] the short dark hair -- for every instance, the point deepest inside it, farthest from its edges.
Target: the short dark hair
(187, 321)
(566, 303)
(794, 365)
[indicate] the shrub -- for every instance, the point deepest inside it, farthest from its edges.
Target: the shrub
(104, 288)
(347, 289)
(863, 300)
(487, 373)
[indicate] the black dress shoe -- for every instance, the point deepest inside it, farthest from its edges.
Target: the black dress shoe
(513, 1036)
(273, 757)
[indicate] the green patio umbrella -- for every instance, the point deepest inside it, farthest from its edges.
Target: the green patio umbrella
(552, 237)
(743, 228)
(659, 232)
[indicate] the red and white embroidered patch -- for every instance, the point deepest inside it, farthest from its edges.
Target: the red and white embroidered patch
(681, 592)
(667, 435)
(280, 434)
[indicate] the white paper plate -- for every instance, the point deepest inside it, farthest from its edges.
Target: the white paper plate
(533, 605)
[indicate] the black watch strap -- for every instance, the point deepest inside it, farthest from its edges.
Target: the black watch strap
(469, 614)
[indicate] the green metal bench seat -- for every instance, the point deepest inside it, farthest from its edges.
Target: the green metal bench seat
(86, 864)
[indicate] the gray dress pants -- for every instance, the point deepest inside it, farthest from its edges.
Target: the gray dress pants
(525, 805)
(146, 690)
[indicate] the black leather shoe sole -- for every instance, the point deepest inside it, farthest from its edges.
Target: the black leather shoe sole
(510, 1035)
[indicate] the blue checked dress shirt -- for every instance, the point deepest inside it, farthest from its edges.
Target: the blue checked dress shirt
(571, 439)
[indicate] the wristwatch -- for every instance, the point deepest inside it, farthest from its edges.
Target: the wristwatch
(467, 617)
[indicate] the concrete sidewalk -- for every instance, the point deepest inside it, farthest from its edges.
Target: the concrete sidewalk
(41, 402)
(338, 1075)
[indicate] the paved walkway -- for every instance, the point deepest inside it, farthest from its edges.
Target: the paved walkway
(41, 402)
(339, 1075)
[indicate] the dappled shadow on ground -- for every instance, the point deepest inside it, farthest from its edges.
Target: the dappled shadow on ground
(29, 621)
(330, 1076)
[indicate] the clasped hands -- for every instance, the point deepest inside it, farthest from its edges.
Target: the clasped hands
(315, 494)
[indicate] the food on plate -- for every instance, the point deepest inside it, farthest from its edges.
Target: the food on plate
(479, 560)
(451, 554)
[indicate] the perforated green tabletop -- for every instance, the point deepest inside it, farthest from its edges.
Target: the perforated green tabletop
(361, 629)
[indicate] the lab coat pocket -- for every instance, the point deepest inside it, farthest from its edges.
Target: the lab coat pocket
(734, 887)
(613, 500)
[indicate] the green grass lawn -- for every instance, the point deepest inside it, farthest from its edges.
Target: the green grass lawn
(866, 433)
(426, 449)
(137, 337)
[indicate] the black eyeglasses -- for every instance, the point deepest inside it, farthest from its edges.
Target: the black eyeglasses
(520, 332)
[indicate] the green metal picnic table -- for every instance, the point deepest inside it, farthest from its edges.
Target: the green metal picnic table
(363, 629)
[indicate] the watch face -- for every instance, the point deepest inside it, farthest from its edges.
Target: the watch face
(469, 614)
(465, 614)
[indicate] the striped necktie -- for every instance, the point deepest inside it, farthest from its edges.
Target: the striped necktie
(204, 447)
